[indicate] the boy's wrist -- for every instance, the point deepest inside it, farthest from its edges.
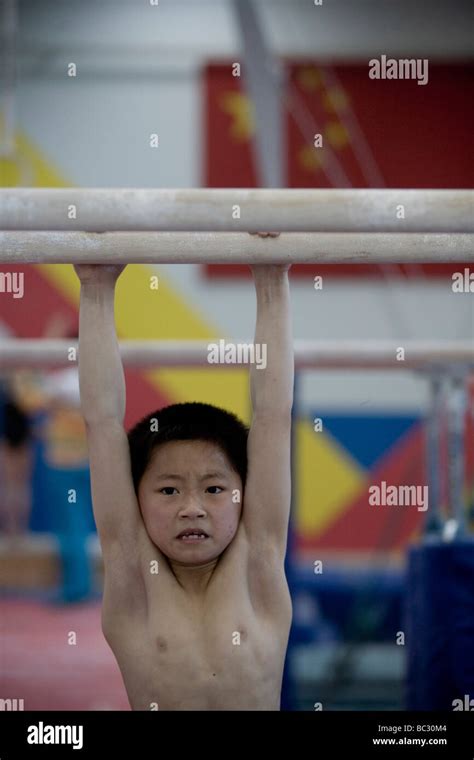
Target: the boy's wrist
(99, 275)
(269, 273)
(98, 295)
(271, 284)
(98, 286)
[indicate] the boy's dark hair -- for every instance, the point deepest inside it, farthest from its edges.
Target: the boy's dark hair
(191, 421)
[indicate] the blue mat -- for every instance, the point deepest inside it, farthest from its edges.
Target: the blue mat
(440, 626)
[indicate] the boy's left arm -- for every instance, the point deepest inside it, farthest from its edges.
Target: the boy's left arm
(268, 486)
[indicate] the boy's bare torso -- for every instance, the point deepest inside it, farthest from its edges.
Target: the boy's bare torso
(221, 649)
(214, 637)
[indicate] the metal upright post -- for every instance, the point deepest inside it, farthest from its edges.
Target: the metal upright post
(457, 407)
(433, 427)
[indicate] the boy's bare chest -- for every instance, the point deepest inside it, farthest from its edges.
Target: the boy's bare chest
(217, 629)
(189, 658)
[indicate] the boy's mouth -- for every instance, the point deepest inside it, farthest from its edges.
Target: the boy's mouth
(192, 535)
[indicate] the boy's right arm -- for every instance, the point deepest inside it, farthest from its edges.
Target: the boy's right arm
(102, 386)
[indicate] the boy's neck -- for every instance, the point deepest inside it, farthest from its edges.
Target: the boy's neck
(194, 579)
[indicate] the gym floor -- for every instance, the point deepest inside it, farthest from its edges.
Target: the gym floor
(85, 675)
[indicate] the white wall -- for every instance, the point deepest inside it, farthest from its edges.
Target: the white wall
(206, 28)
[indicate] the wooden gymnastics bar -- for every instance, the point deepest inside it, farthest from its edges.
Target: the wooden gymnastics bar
(233, 247)
(318, 354)
(214, 210)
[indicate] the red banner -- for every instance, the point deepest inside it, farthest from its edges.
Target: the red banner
(376, 133)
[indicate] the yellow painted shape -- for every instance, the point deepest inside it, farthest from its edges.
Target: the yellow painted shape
(241, 110)
(335, 100)
(327, 479)
(26, 167)
(309, 78)
(162, 314)
(336, 134)
(309, 159)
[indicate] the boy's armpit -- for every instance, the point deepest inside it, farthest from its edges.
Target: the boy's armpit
(268, 586)
(124, 586)
(136, 577)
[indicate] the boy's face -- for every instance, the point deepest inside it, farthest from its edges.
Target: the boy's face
(189, 486)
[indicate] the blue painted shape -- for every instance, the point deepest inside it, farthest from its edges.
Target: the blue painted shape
(366, 437)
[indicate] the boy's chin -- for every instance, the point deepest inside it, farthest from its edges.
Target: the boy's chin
(193, 559)
(193, 554)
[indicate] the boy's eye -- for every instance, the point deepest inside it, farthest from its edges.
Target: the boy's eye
(218, 487)
(166, 490)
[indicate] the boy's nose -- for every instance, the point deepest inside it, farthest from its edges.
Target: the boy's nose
(192, 508)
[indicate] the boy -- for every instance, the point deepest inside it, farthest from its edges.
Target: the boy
(192, 519)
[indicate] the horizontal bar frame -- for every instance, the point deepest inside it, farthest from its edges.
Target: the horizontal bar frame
(233, 248)
(19, 353)
(215, 210)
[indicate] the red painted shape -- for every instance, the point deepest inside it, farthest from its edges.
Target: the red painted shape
(142, 397)
(28, 317)
(362, 527)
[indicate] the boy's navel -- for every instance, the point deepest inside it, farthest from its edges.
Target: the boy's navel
(161, 643)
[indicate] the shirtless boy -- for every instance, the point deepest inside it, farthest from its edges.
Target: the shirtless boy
(192, 519)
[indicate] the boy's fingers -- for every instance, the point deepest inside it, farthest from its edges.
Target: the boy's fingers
(265, 270)
(99, 271)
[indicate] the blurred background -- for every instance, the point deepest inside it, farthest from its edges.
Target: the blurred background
(128, 94)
